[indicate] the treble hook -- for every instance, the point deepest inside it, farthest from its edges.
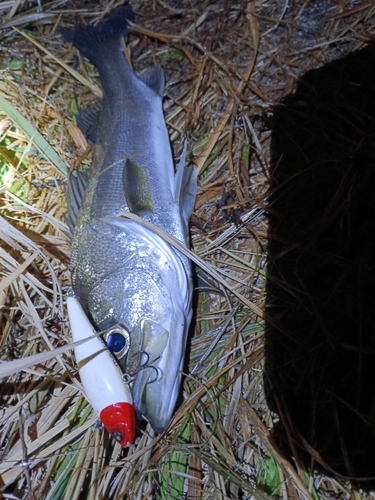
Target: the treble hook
(146, 365)
(142, 364)
(157, 374)
(147, 359)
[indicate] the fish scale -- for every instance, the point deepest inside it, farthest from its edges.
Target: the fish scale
(146, 140)
(123, 273)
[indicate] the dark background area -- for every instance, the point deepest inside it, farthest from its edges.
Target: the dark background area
(320, 341)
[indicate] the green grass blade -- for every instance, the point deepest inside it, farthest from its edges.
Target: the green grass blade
(268, 477)
(230, 475)
(34, 135)
(172, 483)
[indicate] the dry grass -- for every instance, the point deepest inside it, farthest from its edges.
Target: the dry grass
(226, 64)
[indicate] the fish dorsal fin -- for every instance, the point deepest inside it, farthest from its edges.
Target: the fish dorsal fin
(77, 183)
(137, 189)
(87, 121)
(185, 186)
(154, 79)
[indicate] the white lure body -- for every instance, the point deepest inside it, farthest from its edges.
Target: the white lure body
(101, 378)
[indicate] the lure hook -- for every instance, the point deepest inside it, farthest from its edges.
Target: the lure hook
(146, 365)
(157, 374)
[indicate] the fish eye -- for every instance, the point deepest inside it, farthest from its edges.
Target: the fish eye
(118, 341)
(117, 435)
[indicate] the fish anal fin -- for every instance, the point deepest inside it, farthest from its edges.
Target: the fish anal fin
(154, 79)
(87, 121)
(137, 189)
(186, 185)
(189, 190)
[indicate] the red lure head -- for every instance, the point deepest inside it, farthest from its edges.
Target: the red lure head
(119, 420)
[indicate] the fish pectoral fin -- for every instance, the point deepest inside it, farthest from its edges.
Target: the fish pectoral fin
(77, 183)
(87, 121)
(154, 79)
(186, 185)
(137, 189)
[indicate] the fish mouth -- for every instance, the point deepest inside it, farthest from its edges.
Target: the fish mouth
(156, 387)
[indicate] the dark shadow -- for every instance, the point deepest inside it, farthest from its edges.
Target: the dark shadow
(320, 339)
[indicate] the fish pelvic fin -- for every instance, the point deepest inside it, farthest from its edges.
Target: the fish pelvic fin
(137, 189)
(186, 185)
(87, 38)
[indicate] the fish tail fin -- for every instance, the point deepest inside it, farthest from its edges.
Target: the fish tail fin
(88, 38)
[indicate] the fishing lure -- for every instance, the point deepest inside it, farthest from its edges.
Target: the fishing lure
(101, 377)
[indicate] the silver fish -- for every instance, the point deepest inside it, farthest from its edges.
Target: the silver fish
(122, 273)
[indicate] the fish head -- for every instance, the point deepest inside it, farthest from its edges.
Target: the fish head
(120, 421)
(156, 388)
(153, 350)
